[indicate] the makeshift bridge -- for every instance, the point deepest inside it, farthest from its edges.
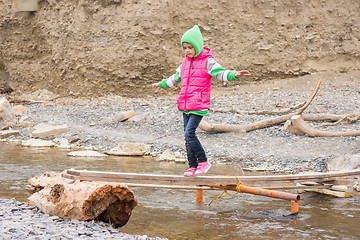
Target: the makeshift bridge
(225, 183)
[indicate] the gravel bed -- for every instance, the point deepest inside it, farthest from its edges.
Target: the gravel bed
(270, 148)
(19, 221)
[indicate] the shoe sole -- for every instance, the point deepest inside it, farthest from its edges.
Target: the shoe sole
(189, 175)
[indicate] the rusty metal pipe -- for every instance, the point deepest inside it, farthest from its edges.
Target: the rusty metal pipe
(294, 198)
(259, 191)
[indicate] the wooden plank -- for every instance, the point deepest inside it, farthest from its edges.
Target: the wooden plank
(205, 180)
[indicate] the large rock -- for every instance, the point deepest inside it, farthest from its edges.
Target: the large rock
(8, 133)
(134, 147)
(47, 130)
(86, 153)
(19, 109)
(37, 143)
(140, 119)
(62, 143)
(130, 149)
(167, 155)
(7, 114)
(346, 162)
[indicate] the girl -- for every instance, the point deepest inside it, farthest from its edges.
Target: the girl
(195, 75)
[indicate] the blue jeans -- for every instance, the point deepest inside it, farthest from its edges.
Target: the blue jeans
(194, 150)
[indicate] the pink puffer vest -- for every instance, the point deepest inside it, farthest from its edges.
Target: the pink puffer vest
(195, 83)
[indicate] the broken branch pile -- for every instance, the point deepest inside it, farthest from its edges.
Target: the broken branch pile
(294, 122)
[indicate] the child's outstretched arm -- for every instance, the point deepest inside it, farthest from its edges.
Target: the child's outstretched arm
(216, 70)
(172, 81)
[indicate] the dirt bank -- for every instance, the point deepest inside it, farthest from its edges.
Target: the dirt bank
(91, 48)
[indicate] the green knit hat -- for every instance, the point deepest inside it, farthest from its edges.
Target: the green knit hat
(194, 37)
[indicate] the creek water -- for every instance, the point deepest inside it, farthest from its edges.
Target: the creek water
(173, 214)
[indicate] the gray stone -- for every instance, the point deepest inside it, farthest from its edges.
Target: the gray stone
(8, 133)
(37, 143)
(168, 155)
(87, 153)
(140, 119)
(346, 162)
(62, 143)
(134, 147)
(47, 130)
(7, 114)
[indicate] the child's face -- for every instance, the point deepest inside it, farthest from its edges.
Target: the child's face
(189, 49)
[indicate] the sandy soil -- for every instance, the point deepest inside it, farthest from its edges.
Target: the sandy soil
(91, 48)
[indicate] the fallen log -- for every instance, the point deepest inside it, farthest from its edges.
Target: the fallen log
(298, 125)
(221, 128)
(108, 202)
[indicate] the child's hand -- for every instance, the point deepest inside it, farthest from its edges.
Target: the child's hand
(242, 73)
(155, 85)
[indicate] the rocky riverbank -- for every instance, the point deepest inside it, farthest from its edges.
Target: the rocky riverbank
(271, 149)
(19, 221)
(93, 125)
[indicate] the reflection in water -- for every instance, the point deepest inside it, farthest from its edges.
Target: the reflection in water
(173, 213)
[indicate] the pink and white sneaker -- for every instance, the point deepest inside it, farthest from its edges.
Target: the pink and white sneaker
(190, 172)
(202, 168)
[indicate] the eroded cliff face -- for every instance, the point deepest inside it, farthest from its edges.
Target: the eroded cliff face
(91, 48)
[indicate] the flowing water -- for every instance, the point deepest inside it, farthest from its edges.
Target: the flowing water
(173, 214)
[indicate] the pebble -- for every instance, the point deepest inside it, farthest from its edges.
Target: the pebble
(19, 221)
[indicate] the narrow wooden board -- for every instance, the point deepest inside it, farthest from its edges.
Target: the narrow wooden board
(159, 179)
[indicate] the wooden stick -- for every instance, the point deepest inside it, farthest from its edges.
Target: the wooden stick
(353, 117)
(310, 99)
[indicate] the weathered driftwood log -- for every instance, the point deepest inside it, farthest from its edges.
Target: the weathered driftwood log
(257, 125)
(220, 128)
(107, 202)
(298, 125)
(7, 114)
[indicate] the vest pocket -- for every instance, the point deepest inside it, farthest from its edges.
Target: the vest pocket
(204, 97)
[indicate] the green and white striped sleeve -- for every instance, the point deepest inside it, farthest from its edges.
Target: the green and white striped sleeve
(216, 70)
(172, 81)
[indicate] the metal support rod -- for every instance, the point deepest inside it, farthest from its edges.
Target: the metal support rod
(294, 198)
(199, 196)
(294, 207)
